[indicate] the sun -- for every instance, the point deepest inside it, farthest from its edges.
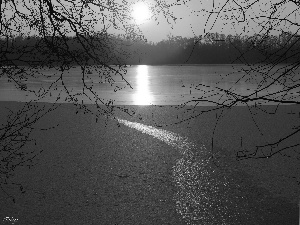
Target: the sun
(141, 12)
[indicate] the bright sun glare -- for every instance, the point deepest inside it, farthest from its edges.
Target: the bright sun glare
(141, 12)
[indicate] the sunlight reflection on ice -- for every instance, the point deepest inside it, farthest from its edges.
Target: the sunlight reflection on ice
(204, 195)
(170, 138)
(143, 95)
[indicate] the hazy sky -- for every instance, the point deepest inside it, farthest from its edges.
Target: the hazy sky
(197, 17)
(194, 18)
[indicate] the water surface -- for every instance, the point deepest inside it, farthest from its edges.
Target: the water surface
(205, 194)
(157, 85)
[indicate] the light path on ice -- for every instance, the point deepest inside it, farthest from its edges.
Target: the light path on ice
(199, 192)
(168, 137)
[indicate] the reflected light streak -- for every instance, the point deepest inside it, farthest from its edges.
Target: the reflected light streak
(143, 95)
(204, 193)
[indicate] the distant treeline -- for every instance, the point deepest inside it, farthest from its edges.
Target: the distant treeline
(213, 48)
(217, 48)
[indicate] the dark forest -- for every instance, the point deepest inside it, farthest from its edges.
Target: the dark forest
(213, 48)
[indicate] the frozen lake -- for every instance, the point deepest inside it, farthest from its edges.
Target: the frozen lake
(204, 190)
(159, 85)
